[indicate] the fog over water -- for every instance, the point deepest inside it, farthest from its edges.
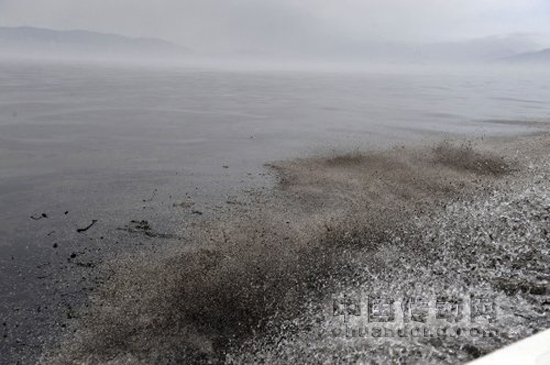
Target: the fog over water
(169, 141)
(290, 27)
(120, 144)
(126, 126)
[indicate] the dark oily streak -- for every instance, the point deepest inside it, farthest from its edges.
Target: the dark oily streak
(80, 230)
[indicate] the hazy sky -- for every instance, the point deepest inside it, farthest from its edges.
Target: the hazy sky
(279, 24)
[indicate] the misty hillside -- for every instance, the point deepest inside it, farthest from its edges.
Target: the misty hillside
(533, 57)
(30, 40)
(485, 49)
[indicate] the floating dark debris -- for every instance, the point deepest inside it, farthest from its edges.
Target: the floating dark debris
(142, 225)
(81, 230)
(42, 216)
(144, 228)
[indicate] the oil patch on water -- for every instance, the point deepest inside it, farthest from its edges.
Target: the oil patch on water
(267, 282)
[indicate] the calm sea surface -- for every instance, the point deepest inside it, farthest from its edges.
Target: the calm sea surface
(112, 144)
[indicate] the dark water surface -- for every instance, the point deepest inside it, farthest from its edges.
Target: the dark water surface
(95, 143)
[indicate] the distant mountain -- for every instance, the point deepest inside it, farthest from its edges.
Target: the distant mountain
(31, 41)
(541, 57)
(477, 50)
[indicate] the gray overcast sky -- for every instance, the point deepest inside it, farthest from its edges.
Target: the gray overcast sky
(265, 24)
